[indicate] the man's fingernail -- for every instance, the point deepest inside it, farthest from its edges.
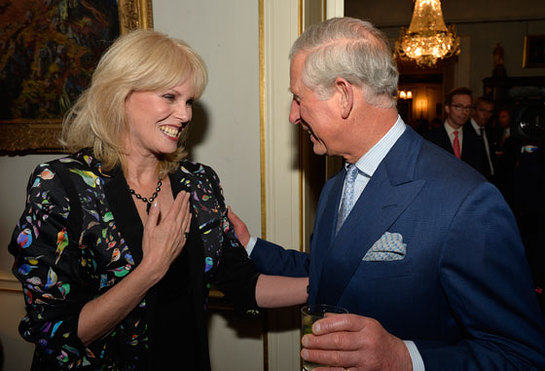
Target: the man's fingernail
(304, 354)
(304, 341)
(316, 327)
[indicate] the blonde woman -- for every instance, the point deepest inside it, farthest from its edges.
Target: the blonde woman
(120, 241)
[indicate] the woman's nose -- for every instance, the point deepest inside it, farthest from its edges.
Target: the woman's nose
(183, 112)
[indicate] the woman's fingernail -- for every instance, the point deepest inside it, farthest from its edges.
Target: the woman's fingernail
(304, 354)
(316, 327)
(304, 341)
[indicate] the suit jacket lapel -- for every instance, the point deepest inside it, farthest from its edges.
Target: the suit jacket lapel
(324, 228)
(445, 140)
(388, 193)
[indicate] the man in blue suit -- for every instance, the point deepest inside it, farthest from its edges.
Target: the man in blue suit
(428, 260)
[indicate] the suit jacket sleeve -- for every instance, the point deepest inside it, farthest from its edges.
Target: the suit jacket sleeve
(485, 277)
(273, 259)
(236, 275)
(47, 262)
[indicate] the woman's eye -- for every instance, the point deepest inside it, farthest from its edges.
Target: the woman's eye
(189, 102)
(170, 97)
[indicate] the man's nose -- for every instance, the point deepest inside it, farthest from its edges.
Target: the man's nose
(295, 113)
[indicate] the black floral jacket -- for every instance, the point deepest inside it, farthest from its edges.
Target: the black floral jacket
(68, 253)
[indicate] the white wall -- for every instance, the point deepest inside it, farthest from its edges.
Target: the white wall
(226, 34)
(226, 130)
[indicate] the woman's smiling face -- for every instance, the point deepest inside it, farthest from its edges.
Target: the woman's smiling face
(156, 119)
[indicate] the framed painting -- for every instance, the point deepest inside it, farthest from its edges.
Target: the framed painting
(48, 50)
(534, 51)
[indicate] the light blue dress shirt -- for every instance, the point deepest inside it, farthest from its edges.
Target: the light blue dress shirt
(369, 162)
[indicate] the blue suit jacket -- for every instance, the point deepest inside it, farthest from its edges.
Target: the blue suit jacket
(462, 292)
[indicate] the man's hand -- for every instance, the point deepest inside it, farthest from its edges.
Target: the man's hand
(241, 230)
(349, 341)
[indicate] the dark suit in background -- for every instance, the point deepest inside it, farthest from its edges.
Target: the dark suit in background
(489, 154)
(472, 147)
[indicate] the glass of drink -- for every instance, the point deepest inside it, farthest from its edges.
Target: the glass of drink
(310, 314)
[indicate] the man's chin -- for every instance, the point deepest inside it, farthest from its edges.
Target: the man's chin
(319, 149)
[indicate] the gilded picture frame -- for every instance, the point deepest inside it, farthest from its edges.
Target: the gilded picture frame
(534, 51)
(23, 136)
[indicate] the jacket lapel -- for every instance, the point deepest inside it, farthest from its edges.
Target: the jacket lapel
(125, 214)
(324, 228)
(445, 140)
(388, 193)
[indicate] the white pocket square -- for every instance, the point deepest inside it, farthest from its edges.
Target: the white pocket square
(388, 247)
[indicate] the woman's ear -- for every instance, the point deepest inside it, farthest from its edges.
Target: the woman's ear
(346, 96)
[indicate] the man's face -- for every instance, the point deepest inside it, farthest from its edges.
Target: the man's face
(504, 119)
(483, 113)
(458, 111)
(315, 115)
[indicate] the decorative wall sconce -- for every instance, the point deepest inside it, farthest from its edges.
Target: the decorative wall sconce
(405, 94)
(422, 106)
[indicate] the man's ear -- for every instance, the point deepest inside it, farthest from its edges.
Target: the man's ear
(346, 96)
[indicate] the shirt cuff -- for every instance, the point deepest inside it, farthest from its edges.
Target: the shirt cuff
(251, 244)
(418, 362)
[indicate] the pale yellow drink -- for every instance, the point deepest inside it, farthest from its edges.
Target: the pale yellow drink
(309, 315)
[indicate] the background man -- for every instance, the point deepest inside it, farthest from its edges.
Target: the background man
(503, 128)
(428, 253)
(456, 137)
(484, 108)
(507, 150)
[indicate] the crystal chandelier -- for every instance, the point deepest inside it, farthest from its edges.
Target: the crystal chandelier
(427, 38)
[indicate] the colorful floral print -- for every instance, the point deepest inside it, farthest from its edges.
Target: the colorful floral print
(61, 271)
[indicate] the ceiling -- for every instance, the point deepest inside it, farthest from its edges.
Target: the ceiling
(384, 13)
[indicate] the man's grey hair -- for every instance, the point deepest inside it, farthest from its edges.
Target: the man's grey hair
(354, 50)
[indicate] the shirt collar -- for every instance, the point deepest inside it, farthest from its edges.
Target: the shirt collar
(369, 162)
(450, 130)
(475, 126)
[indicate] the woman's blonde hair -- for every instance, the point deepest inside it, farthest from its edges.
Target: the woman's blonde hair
(142, 60)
